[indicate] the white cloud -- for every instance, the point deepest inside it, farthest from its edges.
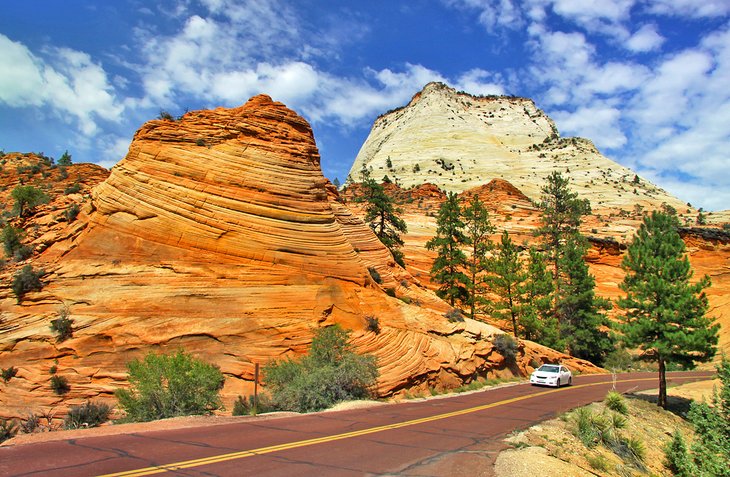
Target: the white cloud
(67, 81)
(599, 123)
(689, 8)
(645, 39)
(492, 13)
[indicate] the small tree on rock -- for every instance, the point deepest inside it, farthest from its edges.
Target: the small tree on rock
(65, 159)
(27, 198)
(665, 313)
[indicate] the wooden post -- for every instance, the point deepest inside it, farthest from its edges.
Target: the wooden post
(256, 389)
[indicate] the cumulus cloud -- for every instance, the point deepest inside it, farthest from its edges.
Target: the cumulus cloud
(600, 123)
(65, 80)
(645, 39)
(689, 8)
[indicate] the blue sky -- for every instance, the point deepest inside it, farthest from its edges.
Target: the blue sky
(647, 80)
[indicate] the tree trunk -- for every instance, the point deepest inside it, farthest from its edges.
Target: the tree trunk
(662, 384)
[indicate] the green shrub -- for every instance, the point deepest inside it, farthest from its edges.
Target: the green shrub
(14, 248)
(26, 280)
(330, 373)
(390, 291)
(616, 402)
(375, 275)
(200, 142)
(59, 384)
(88, 414)
(73, 189)
(372, 323)
(72, 212)
(678, 459)
(584, 429)
(63, 325)
(506, 345)
(164, 386)
(8, 429)
(9, 373)
(27, 198)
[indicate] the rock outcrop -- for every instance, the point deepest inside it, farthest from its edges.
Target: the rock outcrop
(458, 141)
(217, 233)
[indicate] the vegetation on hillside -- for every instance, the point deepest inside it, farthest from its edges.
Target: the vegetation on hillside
(170, 385)
(330, 373)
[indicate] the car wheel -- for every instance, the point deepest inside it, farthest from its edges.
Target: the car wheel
(570, 381)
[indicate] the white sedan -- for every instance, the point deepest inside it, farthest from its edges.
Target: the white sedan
(551, 375)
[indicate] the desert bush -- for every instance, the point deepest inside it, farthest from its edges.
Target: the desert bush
(63, 325)
(72, 212)
(200, 142)
(88, 414)
(8, 429)
(372, 323)
(506, 345)
(14, 248)
(616, 402)
(72, 189)
(164, 386)
(9, 373)
(244, 406)
(26, 280)
(330, 373)
(31, 423)
(59, 384)
(390, 291)
(375, 275)
(454, 315)
(165, 115)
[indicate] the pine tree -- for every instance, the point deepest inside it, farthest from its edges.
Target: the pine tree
(665, 313)
(65, 159)
(585, 328)
(27, 198)
(561, 217)
(382, 215)
(505, 281)
(538, 323)
(447, 269)
(477, 230)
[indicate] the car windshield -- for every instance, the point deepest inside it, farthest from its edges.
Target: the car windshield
(547, 368)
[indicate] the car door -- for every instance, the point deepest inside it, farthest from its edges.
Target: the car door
(563, 375)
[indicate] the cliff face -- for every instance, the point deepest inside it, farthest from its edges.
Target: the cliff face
(218, 233)
(458, 141)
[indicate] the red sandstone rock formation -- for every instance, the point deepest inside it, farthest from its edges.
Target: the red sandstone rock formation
(218, 233)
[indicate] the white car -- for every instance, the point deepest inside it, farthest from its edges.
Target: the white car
(551, 375)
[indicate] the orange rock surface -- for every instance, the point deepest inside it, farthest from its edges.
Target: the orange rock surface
(218, 234)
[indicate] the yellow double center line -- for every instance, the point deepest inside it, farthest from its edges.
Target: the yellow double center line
(347, 435)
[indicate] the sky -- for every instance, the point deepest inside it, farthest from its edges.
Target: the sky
(648, 81)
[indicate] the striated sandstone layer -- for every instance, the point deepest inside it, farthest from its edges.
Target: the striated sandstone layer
(458, 141)
(218, 234)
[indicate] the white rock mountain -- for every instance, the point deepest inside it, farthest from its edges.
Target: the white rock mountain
(458, 141)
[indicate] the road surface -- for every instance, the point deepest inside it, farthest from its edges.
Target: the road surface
(459, 435)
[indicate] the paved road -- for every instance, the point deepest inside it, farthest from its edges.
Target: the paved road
(450, 436)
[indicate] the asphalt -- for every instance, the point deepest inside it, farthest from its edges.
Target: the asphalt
(459, 435)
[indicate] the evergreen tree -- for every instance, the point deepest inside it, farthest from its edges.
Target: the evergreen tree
(665, 313)
(382, 215)
(561, 217)
(447, 269)
(336, 182)
(538, 323)
(477, 229)
(65, 159)
(585, 328)
(505, 280)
